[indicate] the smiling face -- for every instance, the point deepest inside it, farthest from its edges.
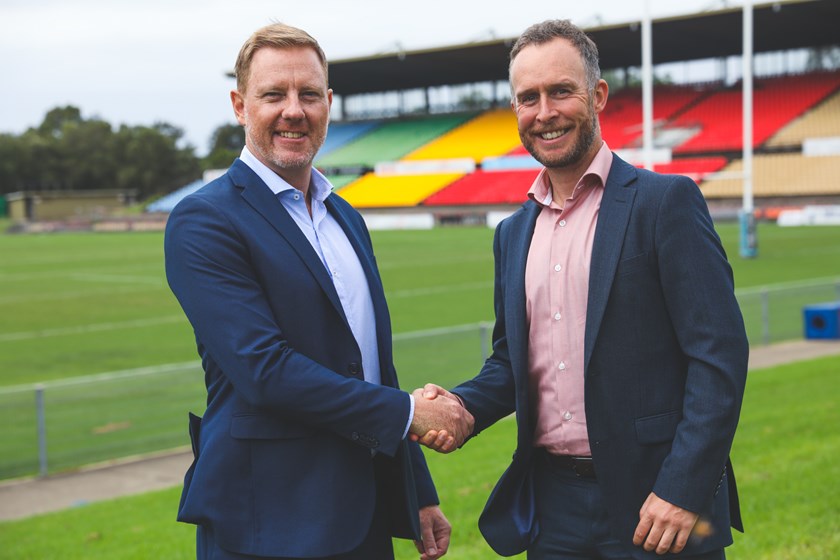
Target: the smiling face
(556, 111)
(285, 110)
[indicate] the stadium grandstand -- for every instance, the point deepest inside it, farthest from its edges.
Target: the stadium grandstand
(431, 130)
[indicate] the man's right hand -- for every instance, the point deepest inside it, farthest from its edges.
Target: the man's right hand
(441, 422)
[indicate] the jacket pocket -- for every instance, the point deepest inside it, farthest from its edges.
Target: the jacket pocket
(266, 427)
(632, 264)
(658, 428)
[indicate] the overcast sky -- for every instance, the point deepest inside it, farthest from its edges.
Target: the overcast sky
(137, 62)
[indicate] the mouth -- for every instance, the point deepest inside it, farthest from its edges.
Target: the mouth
(551, 135)
(289, 134)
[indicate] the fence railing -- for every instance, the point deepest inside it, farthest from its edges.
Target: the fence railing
(61, 425)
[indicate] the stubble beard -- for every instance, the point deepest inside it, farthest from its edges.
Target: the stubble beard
(278, 160)
(582, 145)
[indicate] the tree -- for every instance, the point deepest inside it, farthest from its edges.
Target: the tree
(225, 146)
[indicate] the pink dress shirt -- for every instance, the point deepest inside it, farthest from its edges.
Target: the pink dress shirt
(556, 290)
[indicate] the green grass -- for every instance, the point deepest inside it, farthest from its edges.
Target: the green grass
(79, 304)
(784, 455)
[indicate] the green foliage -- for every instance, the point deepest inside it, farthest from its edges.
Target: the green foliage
(69, 152)
(225, 146)
(784, 455)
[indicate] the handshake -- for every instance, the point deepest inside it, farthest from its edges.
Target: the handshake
(441, 422)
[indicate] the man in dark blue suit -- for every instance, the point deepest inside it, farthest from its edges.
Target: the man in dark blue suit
(618, 341)
(302, 451)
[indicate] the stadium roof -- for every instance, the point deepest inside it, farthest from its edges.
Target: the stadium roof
(778, 26)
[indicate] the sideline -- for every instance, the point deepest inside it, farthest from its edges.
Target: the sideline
(23, 498)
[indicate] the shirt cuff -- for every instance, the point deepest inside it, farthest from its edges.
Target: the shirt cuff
(410, 416)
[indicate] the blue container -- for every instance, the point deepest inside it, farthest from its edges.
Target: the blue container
(822, 321)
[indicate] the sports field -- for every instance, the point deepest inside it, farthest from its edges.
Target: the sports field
(81, 304)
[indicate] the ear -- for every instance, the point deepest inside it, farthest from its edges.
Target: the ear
(600, 95)
(238, 103)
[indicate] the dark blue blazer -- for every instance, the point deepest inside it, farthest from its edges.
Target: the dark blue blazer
(283, 461)
(665, 362)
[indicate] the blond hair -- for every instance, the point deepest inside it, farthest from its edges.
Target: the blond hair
(278, 36)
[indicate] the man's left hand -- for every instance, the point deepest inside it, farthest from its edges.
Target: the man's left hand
(663, 527)
(435, 531)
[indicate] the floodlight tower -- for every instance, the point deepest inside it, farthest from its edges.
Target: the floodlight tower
(749, 238)
(647, 89)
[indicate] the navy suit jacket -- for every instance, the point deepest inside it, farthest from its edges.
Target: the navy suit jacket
(283, 463)
(665, 362)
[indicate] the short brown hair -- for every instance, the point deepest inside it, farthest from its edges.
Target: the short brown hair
(279, 36)
(551, 29)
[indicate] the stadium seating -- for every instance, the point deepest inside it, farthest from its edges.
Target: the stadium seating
(486, 187)
(696, 168)
(492, 133)
(374, 191)
(821, 122)
(390, 141)
(779, 175)
(340, 133)
(787, 109)
(776, 102)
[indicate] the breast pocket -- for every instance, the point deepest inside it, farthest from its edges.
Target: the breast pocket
(632, 264)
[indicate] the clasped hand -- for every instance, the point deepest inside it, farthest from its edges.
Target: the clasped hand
(440, 421)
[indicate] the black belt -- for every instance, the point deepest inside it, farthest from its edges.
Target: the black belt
(583, 467)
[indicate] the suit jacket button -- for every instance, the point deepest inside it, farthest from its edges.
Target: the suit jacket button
(354, 368)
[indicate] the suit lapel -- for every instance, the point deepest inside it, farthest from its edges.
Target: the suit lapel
(613, 217)
(377, 292)
(264, 202)
(517, 248)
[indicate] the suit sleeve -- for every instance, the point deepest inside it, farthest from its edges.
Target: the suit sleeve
(698, 289)
(209, 270)
(490, 396)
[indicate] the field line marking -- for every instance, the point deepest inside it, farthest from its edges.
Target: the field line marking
(120, 278)
(93, 292)
(106, 376)
(96, 327)
(788, 285)
(441, 331)
(438, 289)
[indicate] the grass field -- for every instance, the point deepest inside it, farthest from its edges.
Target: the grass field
(80, 304)
(784, 455)
(84, 304)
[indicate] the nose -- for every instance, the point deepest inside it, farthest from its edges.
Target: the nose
(546, 109)
(293, 110)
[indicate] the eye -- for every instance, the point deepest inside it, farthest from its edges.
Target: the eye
(528, 99)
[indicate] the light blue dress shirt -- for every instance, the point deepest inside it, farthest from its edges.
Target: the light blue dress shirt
(340, 259)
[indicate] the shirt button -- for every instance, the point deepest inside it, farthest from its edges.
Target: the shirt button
(567, 415)
(561, 366)
(297, 196)
(562, 223)
(558, 267)
(557, 316)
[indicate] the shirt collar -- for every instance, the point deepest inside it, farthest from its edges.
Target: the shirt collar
(595, 175)
(318, 184)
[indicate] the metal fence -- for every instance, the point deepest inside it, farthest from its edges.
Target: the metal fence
(62, 425)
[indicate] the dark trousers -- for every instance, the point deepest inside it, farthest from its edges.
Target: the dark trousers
(377, 543)
(573, 519)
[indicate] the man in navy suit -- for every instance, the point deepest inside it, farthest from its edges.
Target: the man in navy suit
(618, 340)
(302, 451)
